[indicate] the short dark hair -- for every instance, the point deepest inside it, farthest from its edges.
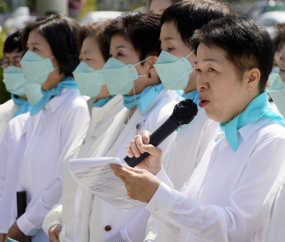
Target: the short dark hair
(13, 42)
(61, 34)
(141, 29)
(95, 30)
(173, 1)
(247, 44)
(189, 16)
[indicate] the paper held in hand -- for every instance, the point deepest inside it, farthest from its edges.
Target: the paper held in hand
(95, 176)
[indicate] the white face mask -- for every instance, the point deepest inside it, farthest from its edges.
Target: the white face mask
(14, 79)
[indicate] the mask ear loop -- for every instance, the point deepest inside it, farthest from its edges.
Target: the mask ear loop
(189, 54)
(134, 91)
(54, 67)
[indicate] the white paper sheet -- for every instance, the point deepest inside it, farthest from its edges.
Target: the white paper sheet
(95, 176)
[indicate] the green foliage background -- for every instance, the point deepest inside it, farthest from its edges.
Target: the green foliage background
(4, 95)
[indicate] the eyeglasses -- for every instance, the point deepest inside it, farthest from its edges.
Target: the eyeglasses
(5, 63)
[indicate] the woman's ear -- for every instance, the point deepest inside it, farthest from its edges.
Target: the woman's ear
(252, 77)
(152, 60)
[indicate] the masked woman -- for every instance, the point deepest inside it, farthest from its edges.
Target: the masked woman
(222, 201)
(14, 80)
(175, 67)
(55, 119)
(94, 54)
(134, 50)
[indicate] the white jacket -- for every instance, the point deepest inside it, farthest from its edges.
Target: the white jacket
(88, 212)
(12, 147)
(181, 157)
(83, 146)
(7, 111)
(274, 210)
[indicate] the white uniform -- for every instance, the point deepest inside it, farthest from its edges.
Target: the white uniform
(84, 145)
(7, 111)
(92, 217)
(48, 137)
(181, 157)
(274, 210)
(222, 201)
(12, 148)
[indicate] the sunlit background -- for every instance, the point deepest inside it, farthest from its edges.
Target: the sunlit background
(14, 14)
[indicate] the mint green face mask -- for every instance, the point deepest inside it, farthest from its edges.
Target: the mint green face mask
(173, 71)
(88, 80)
(273, 74)
(277, 93)
(33, 92)
(36, 68)
(14, 79)
(120, 77)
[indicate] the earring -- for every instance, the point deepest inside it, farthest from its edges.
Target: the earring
(149, 75)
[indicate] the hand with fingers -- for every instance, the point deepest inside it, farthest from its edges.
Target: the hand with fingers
(54, 232)
(141, 181)
(138, 146)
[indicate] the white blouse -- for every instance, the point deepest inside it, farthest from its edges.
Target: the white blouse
(222, 201)
(12, 148)
(83, 146)
(49, 135)
(7, 111)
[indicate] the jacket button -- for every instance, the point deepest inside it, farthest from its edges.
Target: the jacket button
(108, 228)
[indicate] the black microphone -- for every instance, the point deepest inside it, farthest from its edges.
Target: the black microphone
(183, 113)
(21, 203)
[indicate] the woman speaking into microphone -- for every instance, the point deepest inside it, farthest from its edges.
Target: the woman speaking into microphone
(222, 201)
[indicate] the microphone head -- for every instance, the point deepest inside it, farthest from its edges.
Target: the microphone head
(185, 111)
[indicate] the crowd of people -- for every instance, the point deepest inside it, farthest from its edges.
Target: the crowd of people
(102, 89)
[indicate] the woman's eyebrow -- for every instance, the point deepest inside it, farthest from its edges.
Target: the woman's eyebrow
(120, 46)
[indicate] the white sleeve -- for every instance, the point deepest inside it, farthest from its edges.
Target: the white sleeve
(135, 230)
(236, 222)
(30, 222)
(53, 218)
(3, 163)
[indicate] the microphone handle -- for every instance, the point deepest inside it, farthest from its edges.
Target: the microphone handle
(21, 203)
(157, 137)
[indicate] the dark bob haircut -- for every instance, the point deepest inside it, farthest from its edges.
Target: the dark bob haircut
(247, 44)
(142, 30)
(13, 42)
(61, 34)
(95, 30)
(173, 1)
(189, 16)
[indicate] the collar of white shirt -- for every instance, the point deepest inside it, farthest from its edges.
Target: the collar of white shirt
(55, 102)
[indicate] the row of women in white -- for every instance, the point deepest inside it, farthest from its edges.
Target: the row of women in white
(219, 178)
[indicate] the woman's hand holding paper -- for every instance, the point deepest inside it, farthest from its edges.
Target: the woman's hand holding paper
(140, 181)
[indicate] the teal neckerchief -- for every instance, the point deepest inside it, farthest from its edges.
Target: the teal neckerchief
(144, 98)
(100, 103)
(194, 96)
(255, 111)
(23, 105)
(67, 82)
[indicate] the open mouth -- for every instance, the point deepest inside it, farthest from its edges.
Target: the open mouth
(203, 102)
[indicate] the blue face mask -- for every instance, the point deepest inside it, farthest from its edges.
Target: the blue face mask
(173, 71)
(273, 74)
(36, 68)
(14, 79)
(33, 92)
(120, 77)
(88, 80)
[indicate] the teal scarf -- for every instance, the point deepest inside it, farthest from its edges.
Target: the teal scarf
(100, 103)
(23, 105)
(144, 98)
(194, 96)
(68, 82)
(255, 111)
